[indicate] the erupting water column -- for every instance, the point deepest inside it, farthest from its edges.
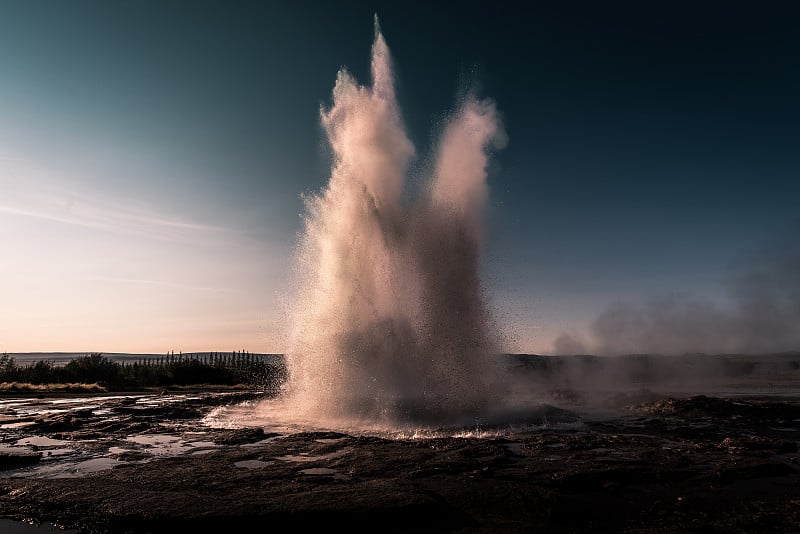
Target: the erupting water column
(388, 320)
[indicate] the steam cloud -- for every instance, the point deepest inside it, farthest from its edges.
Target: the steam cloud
(764, 316)
(389, 320)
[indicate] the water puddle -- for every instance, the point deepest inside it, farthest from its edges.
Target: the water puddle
(161, 444)
(12, 449)
(307, 457)
(71, 469)
(262, 442)
(41, 441)
(21, 424)
(101, 435)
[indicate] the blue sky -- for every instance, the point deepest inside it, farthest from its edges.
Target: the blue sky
(153, 155)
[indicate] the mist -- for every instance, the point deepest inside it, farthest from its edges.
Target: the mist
(761, 315)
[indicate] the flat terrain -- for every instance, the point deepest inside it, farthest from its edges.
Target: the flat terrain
(647, 462)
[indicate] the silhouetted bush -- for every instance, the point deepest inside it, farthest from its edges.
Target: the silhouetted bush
(9, 371)
(183, 370)
(94, 368)
(41, 372)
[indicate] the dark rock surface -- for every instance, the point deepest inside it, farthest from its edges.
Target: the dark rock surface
(694, 464)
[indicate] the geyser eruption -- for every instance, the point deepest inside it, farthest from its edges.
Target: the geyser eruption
(388, 320)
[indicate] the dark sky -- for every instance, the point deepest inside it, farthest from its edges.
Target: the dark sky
(651, 144)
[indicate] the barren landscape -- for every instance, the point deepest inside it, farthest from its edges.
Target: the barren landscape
(645, 458)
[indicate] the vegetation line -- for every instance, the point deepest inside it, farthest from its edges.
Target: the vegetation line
(96, 371)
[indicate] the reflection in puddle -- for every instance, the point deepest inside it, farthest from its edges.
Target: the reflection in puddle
(95, 438)
(262, 442)
(70, 469)
(203, 444)
(11, 449)
(161, 444)
(41, 441)
(11, 426)
(307, 457)
(95, 464)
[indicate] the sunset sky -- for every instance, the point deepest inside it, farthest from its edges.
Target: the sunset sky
(153, 155)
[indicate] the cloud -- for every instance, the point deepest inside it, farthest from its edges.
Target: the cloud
(159, 283)
(29, 192)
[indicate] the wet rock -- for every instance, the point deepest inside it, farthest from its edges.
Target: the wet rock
(755, 470)
(695, 406)
(759, 443)
(631, 399)
(677, 465)
(242, 435)
(10, 459)
(58, 423)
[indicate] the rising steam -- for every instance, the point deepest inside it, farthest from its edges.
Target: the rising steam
(388, 320)
(763, 314)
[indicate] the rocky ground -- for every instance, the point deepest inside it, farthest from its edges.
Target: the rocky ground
(692, 464)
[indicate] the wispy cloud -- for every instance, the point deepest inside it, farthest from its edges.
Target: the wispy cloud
(27, 193)
(159, 283)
